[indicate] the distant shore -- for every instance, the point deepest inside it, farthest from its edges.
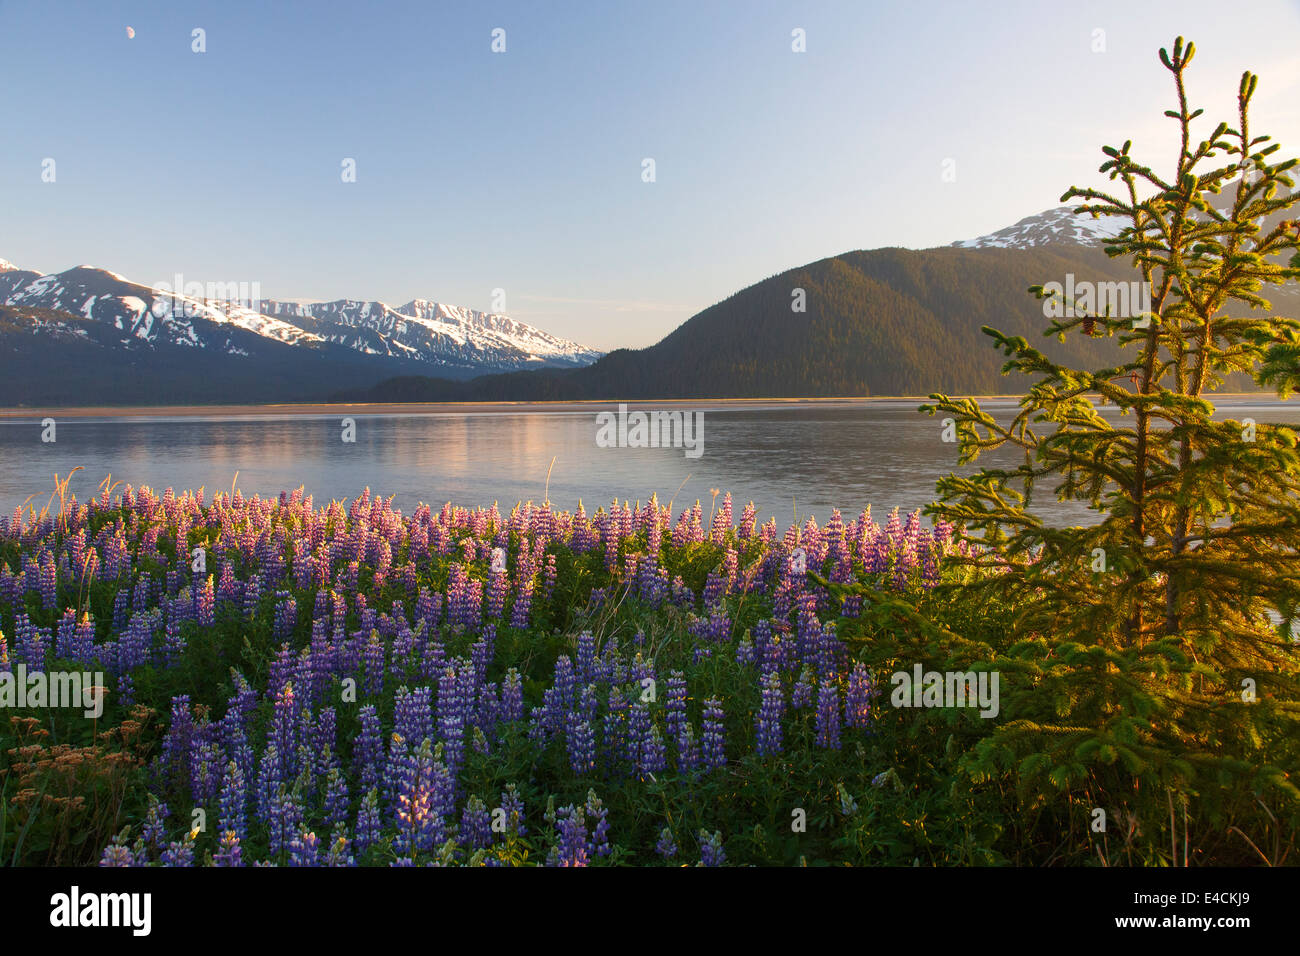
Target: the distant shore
(460, 408)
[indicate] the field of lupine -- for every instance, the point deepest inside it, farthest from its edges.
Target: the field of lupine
(346, 685)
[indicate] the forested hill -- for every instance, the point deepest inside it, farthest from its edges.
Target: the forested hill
(878, 322)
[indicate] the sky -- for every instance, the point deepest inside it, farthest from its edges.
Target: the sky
(523, 171)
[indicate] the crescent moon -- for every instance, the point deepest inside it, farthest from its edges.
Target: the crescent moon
(130, 33)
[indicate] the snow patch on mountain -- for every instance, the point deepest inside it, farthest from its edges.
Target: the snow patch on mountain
(1059, 225)
(422, 331)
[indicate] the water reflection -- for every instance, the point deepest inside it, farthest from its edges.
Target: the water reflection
(790, 460)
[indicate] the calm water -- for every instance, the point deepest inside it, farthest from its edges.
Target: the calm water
(808, 458)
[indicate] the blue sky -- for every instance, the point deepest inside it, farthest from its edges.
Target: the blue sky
(522, 170)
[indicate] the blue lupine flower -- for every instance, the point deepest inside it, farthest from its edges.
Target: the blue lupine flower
(232, 806)
(512, 696)
(580, 741)
(368, 821)
(828, 716)
(513, 805)
(600, 832)
(116, 855)
(666, 847)
(848, 806)
(303, 850)
(475, 825)
(858, 696)
(802, 695)
(153, 830)
(336, 797)
(229, 852)
(711, 851)
(713, 735)
(653, 757)
(368, 752)
(571, 847)
(767, 722)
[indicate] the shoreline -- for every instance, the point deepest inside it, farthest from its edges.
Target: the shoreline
(460, 408)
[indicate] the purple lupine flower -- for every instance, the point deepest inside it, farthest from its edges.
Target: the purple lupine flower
(802, 695)
(453, 713)
(711, 851)
(413, 714)
(566, 682)
(549, 577)
(715, 586)
(571, 847)
(930, 562)
(688, 751)
(206, 768)
(498, 589)
(616, 730)
(745, 651)
(767, 722)
(338, 854)
(638, 728)
(828, 716)
(286, 616)
(653, 756)
(303, 850)
(368, 821)
(49, 583)
(675, 705)
(179, 853)
(228, 852)
(588, 704)
(115, 854)
(153, 831)
(580, 741)
(285, 819)
(284, 730)
(666, 847)
(586, 657)
(513, 805)
(374, 665)
(424, 798)
(428, 608)
(336, 797)
(270, 782)
(369, 748)
(858, 696)
(231, 814)
(175, 756)
(475, 825)
(597, 811)
(713, 735)
(512, 696)
(205, 604)
(848, 806)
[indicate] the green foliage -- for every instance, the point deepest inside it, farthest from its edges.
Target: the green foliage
(1136, 641)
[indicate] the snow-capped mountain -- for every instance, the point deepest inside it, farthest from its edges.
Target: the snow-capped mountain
(431, 332)
(1059, 225)
(1062, 225)
(420, 333)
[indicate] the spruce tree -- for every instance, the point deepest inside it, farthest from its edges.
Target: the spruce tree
(1151, 657)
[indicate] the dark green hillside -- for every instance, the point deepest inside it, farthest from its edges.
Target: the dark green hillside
(878, 322)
